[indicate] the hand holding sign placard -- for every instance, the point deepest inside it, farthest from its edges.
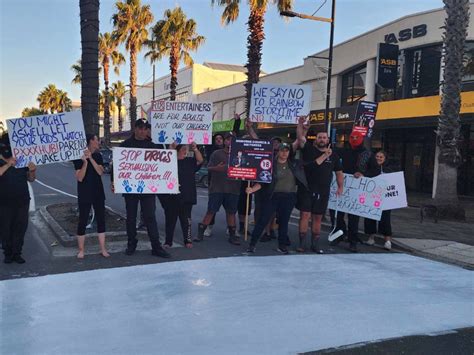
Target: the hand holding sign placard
(47, 139)
(279, 103)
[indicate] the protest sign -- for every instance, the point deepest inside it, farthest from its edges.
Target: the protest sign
(395, 195)
(181, 122)
(279, 103)
(251, 160)
(145, 171)
(364, 120)
(47, 139)
(362, 197)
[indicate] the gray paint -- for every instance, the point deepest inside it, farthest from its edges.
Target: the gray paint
(264, 305)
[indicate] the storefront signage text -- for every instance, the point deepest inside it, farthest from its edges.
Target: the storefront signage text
(406, 34)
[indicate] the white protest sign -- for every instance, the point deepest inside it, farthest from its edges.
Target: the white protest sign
(47, 139)
(279, 103)
(362, 197)
(181, 122)
(395, 195)
(145, 171)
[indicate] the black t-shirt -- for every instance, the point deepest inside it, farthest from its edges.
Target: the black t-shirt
(319, 176)
(14, 186)
(91, 188)
(187, 168)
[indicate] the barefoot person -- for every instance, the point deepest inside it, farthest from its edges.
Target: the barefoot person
(14, 203)
(90, 192)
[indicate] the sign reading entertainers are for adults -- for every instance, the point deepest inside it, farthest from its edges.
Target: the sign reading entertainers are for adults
(279, 103)
(181, 122)
(47, 139)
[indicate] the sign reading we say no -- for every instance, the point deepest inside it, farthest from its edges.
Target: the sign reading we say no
(279, 103)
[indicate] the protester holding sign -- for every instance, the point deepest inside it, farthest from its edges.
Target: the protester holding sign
(278, 197)
(319, 164)
(90, 192)
(180, 205)
(221, 192)
(384, 225)
(14, 202)
(147, 201)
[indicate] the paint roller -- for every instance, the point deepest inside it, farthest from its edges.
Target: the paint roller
(333, 235)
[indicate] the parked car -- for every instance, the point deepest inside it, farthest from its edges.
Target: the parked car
(107, 159)
(201, 177)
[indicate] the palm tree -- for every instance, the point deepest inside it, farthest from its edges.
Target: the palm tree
(118, 91)
(256, 35)
(89, 14)
(32, 111)
(54, 100)
(108, 54)
(63, 102)
(174, 36)
(130, 22)
(77, 70)
(448, 132)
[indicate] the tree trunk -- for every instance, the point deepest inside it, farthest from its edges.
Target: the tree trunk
(89, 15)
(120, 123)
(174, 62)
(133, 86)
(254, 51)
(106, 103)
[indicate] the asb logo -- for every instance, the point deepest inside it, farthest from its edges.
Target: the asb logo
(406, 34)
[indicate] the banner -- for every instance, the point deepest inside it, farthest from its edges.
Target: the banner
(279, 103)
(181, 122)
(387, 65)
(362, 197)
(364, 120)
(226, 126)
(251, 160)
(47, 139)
(395, 195)
(145, 171)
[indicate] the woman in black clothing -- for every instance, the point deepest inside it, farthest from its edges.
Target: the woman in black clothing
(90, 192)
(384, 225)
(14, 203)
(278, 197)
(180, 205)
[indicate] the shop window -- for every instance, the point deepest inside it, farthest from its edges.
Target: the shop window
(468, 73)
(353, 86)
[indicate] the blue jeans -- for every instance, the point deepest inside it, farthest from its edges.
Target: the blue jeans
(281, 203)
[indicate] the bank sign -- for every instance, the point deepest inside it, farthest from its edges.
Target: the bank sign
(387, 65)
(406, 34)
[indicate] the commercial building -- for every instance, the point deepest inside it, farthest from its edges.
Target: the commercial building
(407, 115)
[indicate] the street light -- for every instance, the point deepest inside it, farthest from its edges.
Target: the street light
(329, 58)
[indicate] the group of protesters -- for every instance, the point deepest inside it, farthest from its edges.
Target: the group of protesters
(302, 183)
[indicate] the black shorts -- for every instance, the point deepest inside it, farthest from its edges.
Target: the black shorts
(313, 202)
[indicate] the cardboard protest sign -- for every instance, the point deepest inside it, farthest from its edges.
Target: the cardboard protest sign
(145, 171)
(47, 139)
(395, 194)
(251, 160)
(364, 120)
(181, 122)
(362, 197)
(279, 103)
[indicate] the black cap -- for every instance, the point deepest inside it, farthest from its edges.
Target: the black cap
(284, 146)
(228, 135)
(141, 123)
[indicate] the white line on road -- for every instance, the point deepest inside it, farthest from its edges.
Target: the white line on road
(54, 189)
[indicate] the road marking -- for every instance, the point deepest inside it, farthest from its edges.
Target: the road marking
(54, 189)
(32, 198)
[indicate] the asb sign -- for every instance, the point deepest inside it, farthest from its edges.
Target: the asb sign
(406, 34)
(387, 65)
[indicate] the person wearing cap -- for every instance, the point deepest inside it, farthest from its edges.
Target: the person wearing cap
(320, 162)
(147, 201)
(14, 202)
(356, 161)
(222, 192)
(278, 197)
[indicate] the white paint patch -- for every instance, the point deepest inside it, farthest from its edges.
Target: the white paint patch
(54, 189)
(201, 282)
(253, 305)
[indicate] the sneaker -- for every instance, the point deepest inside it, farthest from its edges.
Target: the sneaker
(388, 245)
(370, 241)
(315, 247)
(162, 253)
(282, 249)
(130, 250)
(251, 249)
(208, 231)
(266, 238)
(166, 246)
(8, 259)
(234, 240)
(18, 259)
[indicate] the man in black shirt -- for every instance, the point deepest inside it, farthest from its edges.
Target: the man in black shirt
(147, 201)
(319, 162)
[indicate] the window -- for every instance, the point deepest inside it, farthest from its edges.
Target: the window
(468, 74)
(353, 86)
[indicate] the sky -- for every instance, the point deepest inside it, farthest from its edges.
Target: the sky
(40, 39)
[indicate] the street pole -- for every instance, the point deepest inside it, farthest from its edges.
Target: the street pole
(153, 81)
(327, 125)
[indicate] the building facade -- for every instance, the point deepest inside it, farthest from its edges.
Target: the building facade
(407, 114)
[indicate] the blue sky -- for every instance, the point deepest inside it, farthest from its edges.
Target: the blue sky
(40, 39)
